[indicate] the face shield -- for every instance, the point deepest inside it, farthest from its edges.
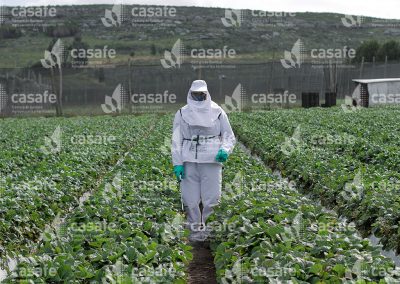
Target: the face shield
(198, 96)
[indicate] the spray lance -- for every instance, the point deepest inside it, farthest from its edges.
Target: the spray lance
(179, 185)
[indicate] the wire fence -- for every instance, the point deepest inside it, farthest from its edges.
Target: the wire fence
(86, 88)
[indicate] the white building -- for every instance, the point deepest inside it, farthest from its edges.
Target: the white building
(372, 92)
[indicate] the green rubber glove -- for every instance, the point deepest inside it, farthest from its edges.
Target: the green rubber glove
(179, 172)
(222, 156)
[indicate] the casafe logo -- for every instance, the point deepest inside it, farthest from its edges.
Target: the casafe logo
(354, 190)
(235, 274)
(54, 230)
(24, 17)
(145, 12)
(333, 53)
(217, 53)
(3, 14)
(116, 102)
(296, 230)
(52, 144)
(119, 14)
(236, 101)
(359, 269)
(385, 98)
(45, 98)
(55, 56)
(173, 230)
(235, 187)
(174, 58)
(113, 17)
(154, 274)
(3, 99)
(279, 98)
(348, 106)
(28, 12)
(93, 52)
(233, 18)
(350, 21)
(295, 57)
(114, 273)
(113, 189)
(292, 144)
(160, 98)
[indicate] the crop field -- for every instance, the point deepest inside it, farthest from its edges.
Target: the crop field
(309, 196)
(199, 142)
(348, 161)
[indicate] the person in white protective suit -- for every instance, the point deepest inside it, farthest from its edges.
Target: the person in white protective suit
(202, 140)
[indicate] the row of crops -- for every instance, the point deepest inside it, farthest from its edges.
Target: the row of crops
(44, 171)
(349, 161)
(271, 233)
(130, 228)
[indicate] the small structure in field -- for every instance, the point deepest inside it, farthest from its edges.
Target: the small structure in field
(309, 100)
(373, 92)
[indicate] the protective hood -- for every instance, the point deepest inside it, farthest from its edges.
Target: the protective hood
(200, 113)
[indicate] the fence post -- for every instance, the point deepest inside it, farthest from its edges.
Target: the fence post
(130, 84)
(386, 62)
(362, 67)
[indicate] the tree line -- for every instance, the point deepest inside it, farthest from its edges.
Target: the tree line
(373, 50)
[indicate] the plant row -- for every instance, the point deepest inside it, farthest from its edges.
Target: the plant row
(129, 231)
(268, 232)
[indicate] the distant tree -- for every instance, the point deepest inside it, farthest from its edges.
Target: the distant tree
(368, 50)
(9, 32)
(100, 75)
(153, 49)
(391, 49)
(58, 91)
(66, 30)
(80, 55)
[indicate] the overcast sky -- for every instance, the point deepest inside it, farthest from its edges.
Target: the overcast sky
(374, 8)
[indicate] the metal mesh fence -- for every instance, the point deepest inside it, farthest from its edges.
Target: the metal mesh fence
(86, 88)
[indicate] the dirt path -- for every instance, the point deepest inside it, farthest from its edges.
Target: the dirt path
(201, 268)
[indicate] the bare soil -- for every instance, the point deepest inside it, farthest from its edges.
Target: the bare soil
(201, 268)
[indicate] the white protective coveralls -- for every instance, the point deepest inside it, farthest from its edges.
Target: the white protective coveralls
(200, 129)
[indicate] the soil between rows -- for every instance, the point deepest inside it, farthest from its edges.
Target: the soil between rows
(201, 269)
